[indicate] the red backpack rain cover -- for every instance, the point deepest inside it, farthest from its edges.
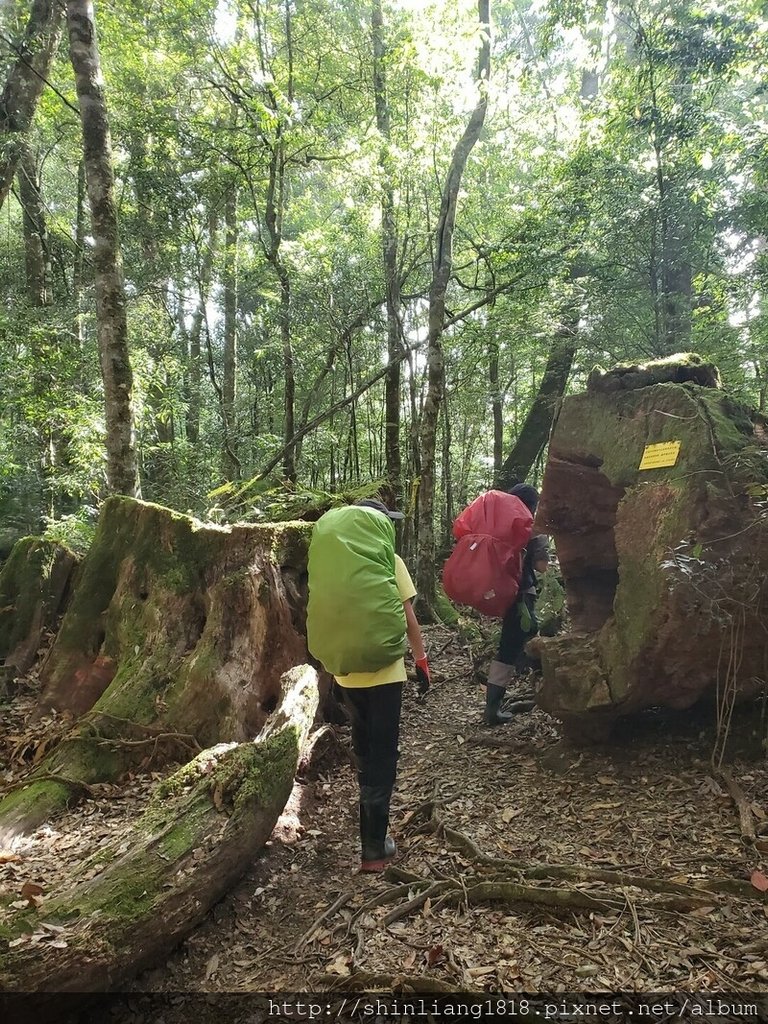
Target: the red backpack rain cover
(485, 566)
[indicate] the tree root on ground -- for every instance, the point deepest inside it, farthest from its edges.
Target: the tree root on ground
(360, 981)
(697, 890)
(746, 818)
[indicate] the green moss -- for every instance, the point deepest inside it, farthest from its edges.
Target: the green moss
(445, 610)
(40, 799)
(606, 428)
(655, 518)
(258, 773)
(32, 581)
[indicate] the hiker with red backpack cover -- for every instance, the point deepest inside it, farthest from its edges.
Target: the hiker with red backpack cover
(492, 570)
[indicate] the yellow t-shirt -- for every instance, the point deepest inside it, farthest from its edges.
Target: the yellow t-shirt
(394, 673)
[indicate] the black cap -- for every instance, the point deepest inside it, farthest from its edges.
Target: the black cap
(380, 507)
(527, 494)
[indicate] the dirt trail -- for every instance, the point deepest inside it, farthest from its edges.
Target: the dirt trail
(647, 805)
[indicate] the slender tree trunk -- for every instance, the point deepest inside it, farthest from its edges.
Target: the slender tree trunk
(274, 208)
(450, 512)
(394, 468)
(112, 325)
(78, 266)
(497, 407)
(24, 84)
(231, 464)
(37, 257)
(289, 374)
(538, 423)
(677, 287)
(194, 367)
(443, 265)
(273, 216)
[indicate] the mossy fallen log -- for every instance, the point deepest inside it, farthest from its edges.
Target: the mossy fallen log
(175, 638)
(203, 827)
(34, 584)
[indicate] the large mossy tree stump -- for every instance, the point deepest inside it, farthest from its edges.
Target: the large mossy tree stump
(201, 831)
(175, 638)
(665, 569)
(34, 585)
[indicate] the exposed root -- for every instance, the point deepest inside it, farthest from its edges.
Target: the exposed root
(360, 981)
(328, 913)
(746, 818)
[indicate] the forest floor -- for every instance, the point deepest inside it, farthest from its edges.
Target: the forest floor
(647, 805)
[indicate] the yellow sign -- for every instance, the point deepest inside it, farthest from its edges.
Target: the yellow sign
(656, 456)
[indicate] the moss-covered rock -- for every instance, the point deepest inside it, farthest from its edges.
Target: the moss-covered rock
(34, 584)
(677, 369)
(658, 564)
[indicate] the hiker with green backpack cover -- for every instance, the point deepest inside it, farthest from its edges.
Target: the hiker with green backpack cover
(359, 615)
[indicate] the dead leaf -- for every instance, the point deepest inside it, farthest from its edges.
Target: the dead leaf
(340, 966)
(434, 954)
(427, 909)
(509, 813)
(212, 966)
(759, 881)
(606, 780)
(31, 889)
(701, 912)
(216, 796)
(58, 944)
(409, 961)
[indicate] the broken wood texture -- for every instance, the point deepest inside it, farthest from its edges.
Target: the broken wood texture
(664, 569)
(175, 638)
(203, 827)
(34, 585)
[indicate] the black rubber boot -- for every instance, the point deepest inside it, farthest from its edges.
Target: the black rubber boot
(493, 698)
(378, 848)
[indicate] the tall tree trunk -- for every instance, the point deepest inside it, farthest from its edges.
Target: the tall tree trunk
(194, 368)
(78, 265)
(497, 402)
(37, 257)
(273, 216)
(394, 468)
(111, 320)
(289, 373)
(677, 280)
(538, 422)
(24, 84)
(273, 219)
(443, 265)
(231, 464)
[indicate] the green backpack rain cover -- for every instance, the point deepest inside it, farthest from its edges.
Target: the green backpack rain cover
(355, 617)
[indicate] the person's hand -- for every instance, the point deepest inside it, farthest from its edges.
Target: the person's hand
(422, 676)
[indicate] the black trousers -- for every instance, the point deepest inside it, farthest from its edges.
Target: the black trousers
(513, 636)
(374, 713)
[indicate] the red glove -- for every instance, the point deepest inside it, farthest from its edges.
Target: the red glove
(422, 676)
